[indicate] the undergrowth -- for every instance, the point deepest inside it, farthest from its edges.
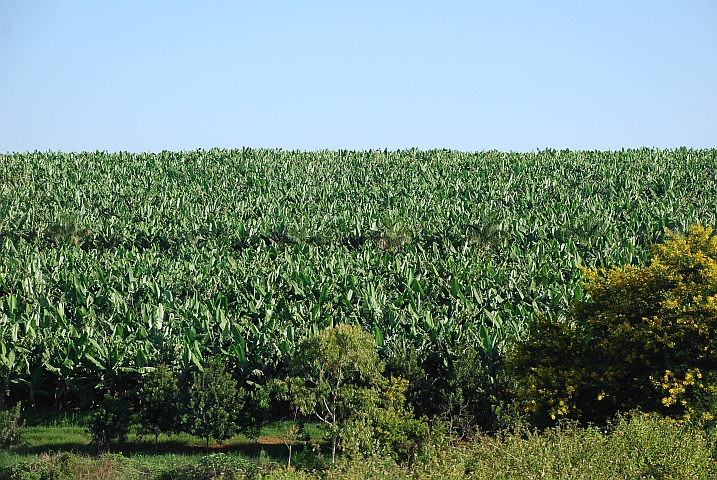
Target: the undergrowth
(640, 446)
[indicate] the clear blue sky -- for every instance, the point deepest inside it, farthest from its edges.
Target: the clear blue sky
(473, 75)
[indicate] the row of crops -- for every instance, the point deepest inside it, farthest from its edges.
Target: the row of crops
(114, 263)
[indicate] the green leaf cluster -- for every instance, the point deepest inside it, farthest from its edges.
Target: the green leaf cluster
(161, 403)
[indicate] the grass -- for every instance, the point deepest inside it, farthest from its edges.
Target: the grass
(48, 438)
(75, 438)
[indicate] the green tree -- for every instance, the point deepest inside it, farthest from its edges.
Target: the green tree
(161, 407)
(397, 432)
(336, 378)
(464, 388)
(214, 404)
(111, 421)
(642, 338)
(470, 394)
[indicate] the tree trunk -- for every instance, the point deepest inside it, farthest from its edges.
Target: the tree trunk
(334, 440)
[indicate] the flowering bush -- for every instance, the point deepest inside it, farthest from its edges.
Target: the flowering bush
(644, 337)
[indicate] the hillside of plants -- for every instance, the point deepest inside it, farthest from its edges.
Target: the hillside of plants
(117, 266)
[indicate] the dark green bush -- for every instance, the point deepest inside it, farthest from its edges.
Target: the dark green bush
(10, 427)
(459, 390)
(111, 421)
(215, 404)
(161, 407)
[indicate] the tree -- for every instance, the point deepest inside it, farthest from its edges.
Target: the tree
(214, 404)
(457, 386)
(642, 338)
(337, 379)
(111, 421)
(161, 408)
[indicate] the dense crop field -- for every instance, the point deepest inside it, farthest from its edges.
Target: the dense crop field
(115, 262)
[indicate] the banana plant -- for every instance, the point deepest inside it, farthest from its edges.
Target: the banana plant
(115, 364)
(65, 361)
(266, 240)
(34, 384)
(13, 362)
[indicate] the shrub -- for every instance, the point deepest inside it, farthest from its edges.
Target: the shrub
(70, 466)
(337, 379)
(228, 466)
(458, 389)
(403, 360)
(214, 404)
(636, 447)
(398, 433)
(216, 465)
(642, 337)
(161, 408)
(474, 397)
(111, 421)
(10, 427)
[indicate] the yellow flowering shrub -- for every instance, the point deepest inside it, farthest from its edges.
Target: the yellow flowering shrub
(644, 337)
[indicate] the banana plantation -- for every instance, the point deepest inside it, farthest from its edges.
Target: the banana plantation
(116, 263)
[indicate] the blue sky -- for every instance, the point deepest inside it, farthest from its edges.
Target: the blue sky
(507, 75)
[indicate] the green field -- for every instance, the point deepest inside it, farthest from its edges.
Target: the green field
(112, 263)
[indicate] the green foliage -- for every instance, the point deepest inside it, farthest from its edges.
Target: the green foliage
(630, 448)
(214, 466)
(397, 432)
(256, 409)
(229, 467)
(469, 394)
(335, 373)
(161, 407)
(466, 391)
(338, 380)
(636, 447)
(10, 427)
(642, 337)
(112, 262)
(215, 403)
(70, 466)
(111, 421)
(338, 356)
(292, 390)
(427, 376)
